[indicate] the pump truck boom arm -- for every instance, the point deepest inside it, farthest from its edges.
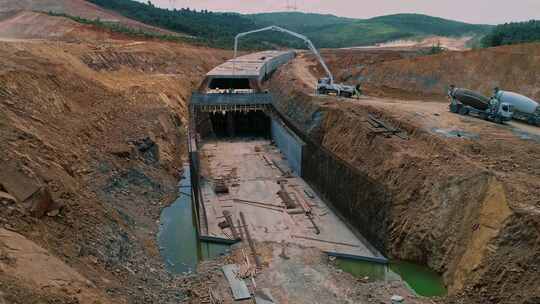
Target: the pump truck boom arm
(282, 30)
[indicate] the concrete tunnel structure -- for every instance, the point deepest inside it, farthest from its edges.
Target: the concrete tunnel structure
(240, 142)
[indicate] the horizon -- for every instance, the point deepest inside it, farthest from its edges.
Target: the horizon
(479, 12)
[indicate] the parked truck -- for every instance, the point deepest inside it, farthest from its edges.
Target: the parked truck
(524, 108)
(467, 102)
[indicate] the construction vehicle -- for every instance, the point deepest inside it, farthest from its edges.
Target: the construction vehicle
(467, 102)
(525, 109)
(325, 85)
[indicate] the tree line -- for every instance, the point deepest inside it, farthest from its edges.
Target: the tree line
(513, 33)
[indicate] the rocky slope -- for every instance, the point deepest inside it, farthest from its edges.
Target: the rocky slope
(92, 141)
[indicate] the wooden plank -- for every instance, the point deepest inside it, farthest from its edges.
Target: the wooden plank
(300, 199)
(323, 241)
(259, 206)
(217, 240)
(250, 241)
(264, 296)
(258, 203)
(379, 260)
(238, 287)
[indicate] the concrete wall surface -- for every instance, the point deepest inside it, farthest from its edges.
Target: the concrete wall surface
(289, 144)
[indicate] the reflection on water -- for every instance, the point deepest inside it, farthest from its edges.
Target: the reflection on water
(178, 242)
(422, 280)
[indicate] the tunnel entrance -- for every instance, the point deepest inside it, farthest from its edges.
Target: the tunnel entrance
(241, 124)
(230, 83)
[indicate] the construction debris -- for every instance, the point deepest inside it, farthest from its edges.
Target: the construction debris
(381, 127)
(220, 187)
(250, 241)
(238, 286)
(397, 299)
(324, 241)
(263, 296)
(284, 195)
(230, 223)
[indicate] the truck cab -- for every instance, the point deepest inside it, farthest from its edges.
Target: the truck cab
(500, 111)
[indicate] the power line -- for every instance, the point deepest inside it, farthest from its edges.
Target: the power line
(291, 6)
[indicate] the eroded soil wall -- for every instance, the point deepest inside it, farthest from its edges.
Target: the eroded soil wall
(422, 199)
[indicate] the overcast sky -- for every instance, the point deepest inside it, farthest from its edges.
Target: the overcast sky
(473, 11)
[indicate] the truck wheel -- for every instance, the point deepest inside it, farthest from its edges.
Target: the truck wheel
(463, 111)
(483, 116)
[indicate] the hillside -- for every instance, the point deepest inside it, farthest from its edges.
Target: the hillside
(80, 8)
(328, 31)
(332, 31)
(512, 67)
(95, 131)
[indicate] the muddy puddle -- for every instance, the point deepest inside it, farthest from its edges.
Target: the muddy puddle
(420, 279)
(178, 241)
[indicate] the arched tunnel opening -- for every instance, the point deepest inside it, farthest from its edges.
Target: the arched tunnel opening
(241, 124)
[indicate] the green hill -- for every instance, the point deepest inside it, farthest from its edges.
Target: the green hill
(332, 31)
(328, 31)
(298, 21)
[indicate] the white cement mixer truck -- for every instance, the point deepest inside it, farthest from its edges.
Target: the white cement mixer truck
(467, 102)
(524, 108)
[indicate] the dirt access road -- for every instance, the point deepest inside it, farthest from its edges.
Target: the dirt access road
(431, 114)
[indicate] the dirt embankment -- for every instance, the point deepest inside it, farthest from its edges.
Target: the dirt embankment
(515, 68)
(92, 140)
(466, 206)
(34, 25)
(80, 8)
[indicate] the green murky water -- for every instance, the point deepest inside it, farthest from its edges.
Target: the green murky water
(179, 244)
(422, 280)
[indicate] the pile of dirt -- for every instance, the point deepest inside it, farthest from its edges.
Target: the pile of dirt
(465, 205)
(92, 136)
(34, 25)
(79, 8)
(343, 62)
(515, 68)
